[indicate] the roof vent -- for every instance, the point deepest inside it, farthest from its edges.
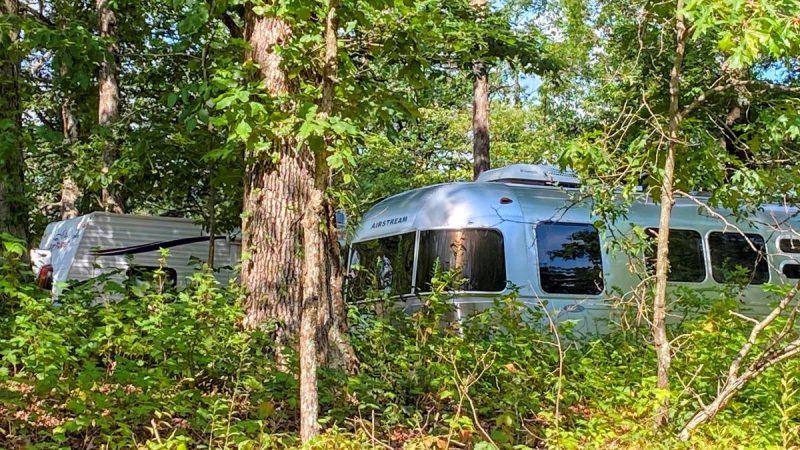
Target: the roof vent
(532, 175)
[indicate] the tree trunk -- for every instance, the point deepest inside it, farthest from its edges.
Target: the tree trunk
(69, 189)
(272, 272)
(660, 338)
(69, 198)
(312, 287)
(276, 199)
(212, 220)
(333, 341)
(108, 105)
(333, 324)
(480, 109)
(291, 273)
(13, 207)
(314, 256)
(273, 202)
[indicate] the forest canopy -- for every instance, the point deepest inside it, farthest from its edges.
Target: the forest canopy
(264, 121)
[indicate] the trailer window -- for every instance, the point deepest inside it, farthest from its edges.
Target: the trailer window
(732, 257)
(790, 245)
(570, 260)
(478, 253)
(791, 271)
(383, 264)
(686, 251)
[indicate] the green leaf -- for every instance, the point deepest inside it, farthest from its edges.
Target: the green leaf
(335, 160)
(14, 247)
(243, 130)
(224, 102)
(726, 43)
(483, 445)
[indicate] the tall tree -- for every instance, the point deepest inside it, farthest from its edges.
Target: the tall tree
(284, 192)
(480, 106)
(291, 271)
(273, 197)
(660, 339)
(686, 103)
(13, 207)
(69, 189)
(108, 103)
(316, 259)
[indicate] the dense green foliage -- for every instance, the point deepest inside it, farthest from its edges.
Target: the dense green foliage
(171, 369)
(737, 103)
(576, 83)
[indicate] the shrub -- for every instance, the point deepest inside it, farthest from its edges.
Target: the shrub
(172, 369)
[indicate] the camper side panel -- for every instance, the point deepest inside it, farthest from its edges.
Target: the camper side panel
(107, 231)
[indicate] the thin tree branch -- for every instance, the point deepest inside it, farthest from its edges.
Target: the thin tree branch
(30, 12)
(233, 28)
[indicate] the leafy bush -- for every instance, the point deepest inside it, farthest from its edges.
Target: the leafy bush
(165, 368)
(509, 377)
(156, 363)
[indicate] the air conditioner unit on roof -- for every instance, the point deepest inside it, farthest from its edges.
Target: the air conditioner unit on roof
(531, 174)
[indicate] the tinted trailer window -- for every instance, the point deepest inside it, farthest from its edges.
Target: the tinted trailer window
(570, 260)
(791, 271)
(790, 245)
(732, 254)
(478, 253)
(686, 250)
(384, 264)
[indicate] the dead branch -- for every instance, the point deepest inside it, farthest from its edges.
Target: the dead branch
(771, 354)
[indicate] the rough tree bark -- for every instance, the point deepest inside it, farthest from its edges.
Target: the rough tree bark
(108, 105)
(291, 273)
(312, 290)
(660, 338)
(278, 207)
(314, 260)
(333, 340)
(480, 108)
(69, 189)
(13, 207)
(273, 201)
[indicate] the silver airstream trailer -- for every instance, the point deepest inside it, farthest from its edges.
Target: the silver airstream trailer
(521, 227)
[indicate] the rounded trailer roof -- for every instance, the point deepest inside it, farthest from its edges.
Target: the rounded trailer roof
(451, 205)
(534, 191)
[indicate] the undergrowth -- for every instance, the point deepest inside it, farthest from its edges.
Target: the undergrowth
(172, 369)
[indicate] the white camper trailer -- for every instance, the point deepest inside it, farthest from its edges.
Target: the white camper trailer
(521, 227)
(127, 246)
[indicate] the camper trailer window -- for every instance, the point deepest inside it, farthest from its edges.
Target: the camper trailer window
(570, 260)
(790, 245)
(478, 253)
(685, 247)
(732, 258)
(791, 271)
(146, 274)
(383, 264)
